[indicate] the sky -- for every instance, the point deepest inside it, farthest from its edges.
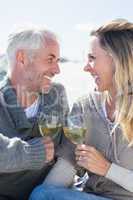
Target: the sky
(71, 20)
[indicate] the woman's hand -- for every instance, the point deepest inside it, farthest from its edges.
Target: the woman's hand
(91, 159)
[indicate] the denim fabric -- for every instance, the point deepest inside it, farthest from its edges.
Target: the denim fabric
(50, 192)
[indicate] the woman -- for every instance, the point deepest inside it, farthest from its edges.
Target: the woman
(108, 113)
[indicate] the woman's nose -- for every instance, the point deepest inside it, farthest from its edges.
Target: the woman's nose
(87, 68)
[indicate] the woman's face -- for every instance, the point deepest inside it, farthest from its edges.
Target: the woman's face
(100, 65)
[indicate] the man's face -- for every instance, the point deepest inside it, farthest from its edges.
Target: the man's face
(43, 67)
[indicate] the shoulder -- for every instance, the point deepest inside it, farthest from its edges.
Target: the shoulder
(5, 89)
(91, 99)
(4, 83)
(56, 95)
(58, 88)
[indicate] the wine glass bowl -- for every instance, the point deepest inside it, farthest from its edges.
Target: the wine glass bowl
(49, 125)
(75, 129)
(75, 134)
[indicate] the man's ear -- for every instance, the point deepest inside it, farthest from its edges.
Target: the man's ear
(21, 57)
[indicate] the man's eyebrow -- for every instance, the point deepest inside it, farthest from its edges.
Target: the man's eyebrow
(52, 55)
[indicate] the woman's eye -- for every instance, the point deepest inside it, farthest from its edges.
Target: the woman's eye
(91, 57)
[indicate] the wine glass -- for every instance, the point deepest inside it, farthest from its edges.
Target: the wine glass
(49, 125)
(75, 131)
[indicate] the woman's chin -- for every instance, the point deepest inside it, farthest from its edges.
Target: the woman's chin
(99, 88)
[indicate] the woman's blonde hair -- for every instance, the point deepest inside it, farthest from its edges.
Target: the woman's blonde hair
(116, 37)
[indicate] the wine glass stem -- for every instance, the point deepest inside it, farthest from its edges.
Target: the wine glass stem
(80, 170)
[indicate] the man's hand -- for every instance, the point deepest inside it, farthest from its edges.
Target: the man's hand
(91, 159)
(49, 149)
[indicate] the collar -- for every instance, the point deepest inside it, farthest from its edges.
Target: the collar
(14, 108)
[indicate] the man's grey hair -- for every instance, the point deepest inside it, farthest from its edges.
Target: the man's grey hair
(29, 39)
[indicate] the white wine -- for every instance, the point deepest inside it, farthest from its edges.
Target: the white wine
(51, 131)
(75, 135)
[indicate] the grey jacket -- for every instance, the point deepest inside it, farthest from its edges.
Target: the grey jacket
(118, 183)
(112, 145)
(27, 151)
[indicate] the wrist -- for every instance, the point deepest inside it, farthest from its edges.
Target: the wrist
(107, 166)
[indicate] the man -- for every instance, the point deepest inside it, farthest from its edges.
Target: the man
(27, 93)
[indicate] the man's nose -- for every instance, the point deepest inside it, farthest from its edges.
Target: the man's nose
(57, 69)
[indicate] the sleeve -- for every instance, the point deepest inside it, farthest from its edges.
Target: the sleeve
(17, 155)
(121, 176)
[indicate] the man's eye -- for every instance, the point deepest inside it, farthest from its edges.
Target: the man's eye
(50, 60)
